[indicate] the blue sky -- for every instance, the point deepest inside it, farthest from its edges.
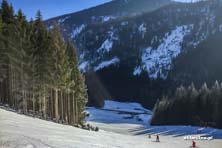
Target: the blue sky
(52, 8)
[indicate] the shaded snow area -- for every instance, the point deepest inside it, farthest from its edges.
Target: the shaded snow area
(137, 71)
(157, 62)
(220, 28)
(128, 107)
(124, 23)
(84, 66)
(106, 18)
(77, 30)
(187, 1)
(102, 19)
(100, 61)
(106, 46)
(61, 21)
(120, 124)
(142, 29)
(104, 64)
(131, 119)
(51, 27)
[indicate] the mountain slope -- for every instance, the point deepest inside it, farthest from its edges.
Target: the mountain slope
(73, 24)
(27, 132)
(138, 58)
(107, 11)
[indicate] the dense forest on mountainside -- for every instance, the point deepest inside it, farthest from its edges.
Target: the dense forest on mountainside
(141, 57)
(39, 71)
(190, 106)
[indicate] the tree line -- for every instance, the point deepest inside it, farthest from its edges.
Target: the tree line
(189, 106)
(38, 69)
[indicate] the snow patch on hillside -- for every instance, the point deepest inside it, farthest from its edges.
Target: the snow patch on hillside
(61, 21)
(187, 1)
(84, 66)
(137, 71)
(104, 64)
(142, 28)
(220, 28)
(124, 23)
(106, 18)
(51, 27)
(77, 30)
(157, 62)
(106, 46)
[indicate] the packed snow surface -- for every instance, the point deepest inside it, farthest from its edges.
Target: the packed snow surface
(158, 61)
(121, 126)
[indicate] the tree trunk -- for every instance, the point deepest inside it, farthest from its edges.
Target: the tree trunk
(73, 105)
(68, 106)
(44, 104)
(56, 111)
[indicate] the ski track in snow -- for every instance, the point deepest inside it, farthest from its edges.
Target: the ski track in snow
(116, 131)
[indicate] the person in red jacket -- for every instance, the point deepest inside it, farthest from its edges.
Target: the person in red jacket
(193, 144)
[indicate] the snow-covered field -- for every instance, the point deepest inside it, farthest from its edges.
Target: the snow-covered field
(122, 125)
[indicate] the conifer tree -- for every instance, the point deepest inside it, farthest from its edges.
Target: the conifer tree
(38, 70)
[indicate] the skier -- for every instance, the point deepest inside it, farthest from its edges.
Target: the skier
(157, 138)
(193, 144)
(149, 136)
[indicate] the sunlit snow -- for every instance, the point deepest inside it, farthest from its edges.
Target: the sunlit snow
(158, 61)
(120, 127)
